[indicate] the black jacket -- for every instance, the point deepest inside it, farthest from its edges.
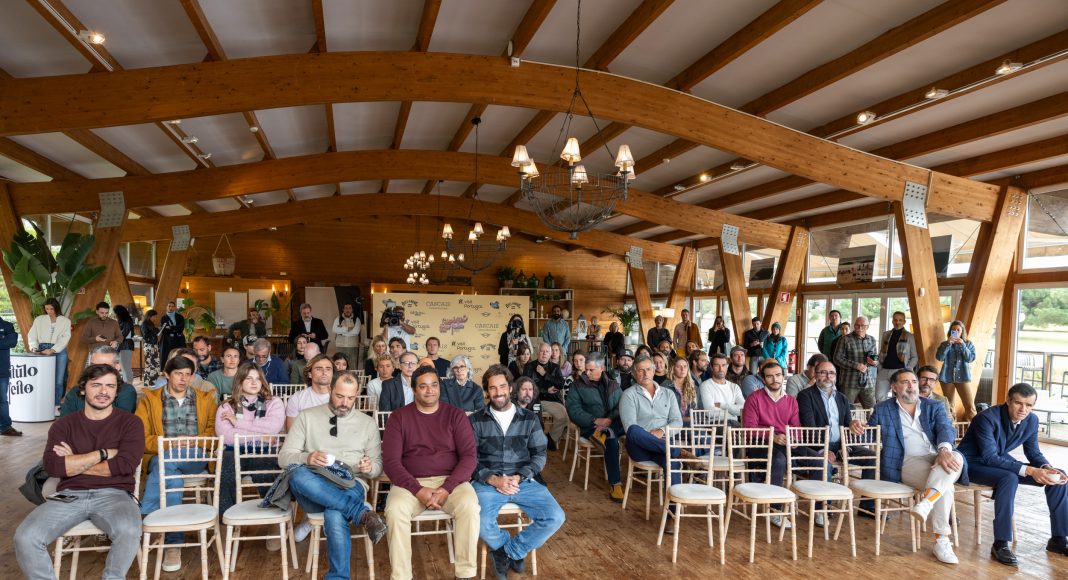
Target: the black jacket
(813, 413)
(392, 396)
(317, 328)
(552, 378)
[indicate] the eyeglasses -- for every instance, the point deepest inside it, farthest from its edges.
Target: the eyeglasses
(410, 363)
(458, 367)
(333, 426)
(856, 326)
(826, 373)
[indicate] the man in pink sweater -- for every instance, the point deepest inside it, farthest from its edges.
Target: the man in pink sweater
(429, 454)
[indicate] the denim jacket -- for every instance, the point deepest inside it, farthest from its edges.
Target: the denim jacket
(957, 360)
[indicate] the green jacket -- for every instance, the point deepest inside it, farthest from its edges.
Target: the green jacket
(587, 401)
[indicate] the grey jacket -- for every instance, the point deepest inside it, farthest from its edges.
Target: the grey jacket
(906, 348)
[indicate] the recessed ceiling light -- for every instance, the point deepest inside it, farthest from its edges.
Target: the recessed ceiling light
(1008, 67)
(704, 177)
(273, 228)
(91, 37)
(935, 93)
(254, 129)
(865, 117)
(174, 122)
(189, 139)
(666, 160)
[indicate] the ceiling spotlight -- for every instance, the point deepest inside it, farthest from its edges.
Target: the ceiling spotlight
(174, 122)
(666, 160)
(739, 165)
(704, 177)
(1008, 67)
(91, 37)
(254, 129)
(189, 139)
(273, 228)
(935, 93)
(680, 187)
(249, 200)
(865, 117)
(204, 156)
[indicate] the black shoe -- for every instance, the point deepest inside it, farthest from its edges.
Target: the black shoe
(374, 526)
(11, 432)
(501, 563)
(1058, 546)
(518, 566)
(551, 446)
(1004, 555)
(866, 515)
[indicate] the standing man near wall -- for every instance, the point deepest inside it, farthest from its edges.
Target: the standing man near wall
(347, 333)
(897, 351)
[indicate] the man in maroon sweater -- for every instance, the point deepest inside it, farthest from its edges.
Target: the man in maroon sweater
(429, 454)
(95, 453)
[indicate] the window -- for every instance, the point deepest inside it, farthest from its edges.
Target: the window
(826, 247)
(815, 321)
(709, 271)
(1041, 349)
(657, 276)
(704, 315)
(1046, 241)
(953, 241)
(758, 266)
(139, 258)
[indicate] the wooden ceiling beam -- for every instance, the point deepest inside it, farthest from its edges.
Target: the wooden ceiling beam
(98, 57)
(388, 205)
(320, 26)
(645, 14)
(634, 228)
(248, 178)
(422, 44)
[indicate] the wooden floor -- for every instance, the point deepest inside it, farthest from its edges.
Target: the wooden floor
(600, 540)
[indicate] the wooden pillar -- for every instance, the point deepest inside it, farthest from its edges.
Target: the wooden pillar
(170, 279)
(682, 285)
(737, 295)
(119, 285)
(787, 278)
(640, 285)
(921, 285)
(1005, 361)
(10, 224)
(990, 272)
(106, 252)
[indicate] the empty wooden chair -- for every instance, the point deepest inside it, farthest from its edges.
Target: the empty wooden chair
(695, 488)
(822, 495)
(888, 496)
(751, 453)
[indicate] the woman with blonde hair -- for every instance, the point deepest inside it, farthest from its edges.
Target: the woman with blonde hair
(680, 381)
(957, 354)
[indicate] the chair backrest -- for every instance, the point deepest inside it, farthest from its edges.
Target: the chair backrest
(815, 438)
(861, 415)
(381, 417)
(191, 450)
(699, 441)
(137, 481)
(364, 403)
(750, 451)
(869, 438)
(962, 428)
(287, 390)
(715, 419)
(255, 447)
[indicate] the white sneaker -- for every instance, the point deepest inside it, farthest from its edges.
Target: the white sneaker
(172, 559)
(303, 529)
(921, 510)
(274, 544)
(943, 550)
(820, 522)
(781, 522)
(57, 411)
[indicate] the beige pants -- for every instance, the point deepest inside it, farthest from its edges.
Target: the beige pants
(402, 506)
(920, 472)
(560, 420)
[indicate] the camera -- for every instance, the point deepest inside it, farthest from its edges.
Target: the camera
(391, 317)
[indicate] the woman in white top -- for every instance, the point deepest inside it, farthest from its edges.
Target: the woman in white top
(50, 334)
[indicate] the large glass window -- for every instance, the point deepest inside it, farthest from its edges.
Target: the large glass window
(815, 320)
(827, 246)
(872, 307)
(843, 306)
(705, 312)
(953, 241)
(709, 271)
(1042, 350)
(1046, 242)
(758, 266)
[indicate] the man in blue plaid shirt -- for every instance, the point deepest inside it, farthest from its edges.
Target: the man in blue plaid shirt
(511, 452)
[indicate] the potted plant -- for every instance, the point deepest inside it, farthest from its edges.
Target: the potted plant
(40, 275)
(506, 276)
(196, 315)
(268, 309)
(627, 317)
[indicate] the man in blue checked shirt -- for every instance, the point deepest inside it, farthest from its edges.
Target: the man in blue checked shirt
(511, 452)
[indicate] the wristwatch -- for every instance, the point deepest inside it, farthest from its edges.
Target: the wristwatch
(103, 455)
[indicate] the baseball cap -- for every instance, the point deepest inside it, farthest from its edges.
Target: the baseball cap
(738, 349)
(627, 353)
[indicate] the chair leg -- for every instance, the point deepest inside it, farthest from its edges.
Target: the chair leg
(313, 552)
(708, 518)
(370, 549)
(159, 556)
(663, 525)
(204, 554)
(879, 524)
(752, 533)
(648, 494)
(218, 544)
(144, 556)
(852, 531)
(953, 523)
(793, 528)
(229, 560)
(977, 505)
(589, 458)
(57, 556)
(675, 539)
(293, 545)
(283, 549)
(722, 537)
(630, 481)
(812, 524)
(574, 462)
(482, 566)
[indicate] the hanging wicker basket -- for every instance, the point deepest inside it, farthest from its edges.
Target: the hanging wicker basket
(192, 260)
(224, 265)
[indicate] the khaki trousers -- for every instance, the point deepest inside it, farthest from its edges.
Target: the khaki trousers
(402, 506)
(560, 420)
(920, 471)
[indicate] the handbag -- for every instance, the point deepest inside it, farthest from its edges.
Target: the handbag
(32, 488)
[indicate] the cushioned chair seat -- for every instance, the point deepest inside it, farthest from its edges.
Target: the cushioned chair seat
(723, 463)
(584, 442)
(189, 514)
(822, 489)
(696, 492)
(647, 465)
(510, 507)
(251, 510)
(85, 528)
(877, 488)
(763, 491)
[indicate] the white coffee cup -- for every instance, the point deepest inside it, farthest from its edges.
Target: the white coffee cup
(1057, 477)
(330, 458)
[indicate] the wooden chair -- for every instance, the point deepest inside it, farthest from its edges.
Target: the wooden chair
(286, 390)
(364, 404)
(816, 489)
(248, 512)
(317, 520)
(741, 442)
(84, 530)
(861, 415)
(717, 420)
(645, 473)
(185, 517)
(380, 483)
(570, 439)
(585, 451)
(696, 488)
(521, 521)
(898, 495)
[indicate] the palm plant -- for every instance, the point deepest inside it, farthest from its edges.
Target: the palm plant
(40, 275)
(627, 317)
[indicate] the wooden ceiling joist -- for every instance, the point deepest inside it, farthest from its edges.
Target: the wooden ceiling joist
(44, 104)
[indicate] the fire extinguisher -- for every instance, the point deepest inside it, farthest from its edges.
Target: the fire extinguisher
(791, 362)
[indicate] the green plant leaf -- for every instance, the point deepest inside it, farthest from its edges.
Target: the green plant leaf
(83, 315)
(83, 277)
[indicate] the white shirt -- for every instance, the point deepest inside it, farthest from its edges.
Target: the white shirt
(727, 394)
(343, 336)
(409, 394)
(912, 433)
(399, 332)
(504, 418)
(374, 388)
(305, 399)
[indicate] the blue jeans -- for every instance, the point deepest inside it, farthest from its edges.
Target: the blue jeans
(535, 500)
(61, 375)
(5, 413)
(339, 507)
(150, 501)
(644, 446)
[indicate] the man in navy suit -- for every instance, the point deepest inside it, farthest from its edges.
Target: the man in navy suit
(917, 450)
(992, 435)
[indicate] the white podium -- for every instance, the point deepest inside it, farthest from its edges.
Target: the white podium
(32, 387)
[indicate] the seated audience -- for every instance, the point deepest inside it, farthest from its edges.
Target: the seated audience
(660, 368)
(384, 368)
(624, 365)
(370, 366)
(175, 410)
(341, 362)
(513, 337)
(310, 327)
(550, 381)
(126, 399)
(578, 366)
(918, 451)
(522, 357)
(511, 453)
(557, 357)
(593, 405)
(429, 454)
(803, 380)
(398, 391)
(273, 367)
(719, 393)
(699, 370)
(681, 384)
(318, 375)
(459, 390)
(397, 347)
(433, 350)
(928, 379)
(95, 454)
(525, 394)
(250, 410)
(647, 410)
(992, 436)
(295, 363)
(775, 345)
(206, 363)
(338, 437)
(253, 326)
(737, 370)
(223, 378)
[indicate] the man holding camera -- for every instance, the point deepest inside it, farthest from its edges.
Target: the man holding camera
(855, 357)
(394, 325)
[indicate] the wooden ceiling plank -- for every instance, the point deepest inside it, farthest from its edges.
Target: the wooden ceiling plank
(645, 14)
(204, 30)
(530, 24)
(426, 25)
(634, 228)
(35, 161)
(320, 26)
(109, 153)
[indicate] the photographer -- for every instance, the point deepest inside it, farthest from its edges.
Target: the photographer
(512, 337)
(855, 356)
(394, 325)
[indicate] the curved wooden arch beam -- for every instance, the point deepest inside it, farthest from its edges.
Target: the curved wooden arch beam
(38, 105)
(388, 204)
(247, 178)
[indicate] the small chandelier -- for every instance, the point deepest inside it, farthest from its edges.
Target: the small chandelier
(476, 255)
(577, 199)
(417, 264)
